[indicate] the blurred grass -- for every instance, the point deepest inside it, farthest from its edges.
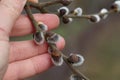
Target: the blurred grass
(21, 38)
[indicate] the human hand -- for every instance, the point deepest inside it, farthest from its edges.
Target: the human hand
(19, 60)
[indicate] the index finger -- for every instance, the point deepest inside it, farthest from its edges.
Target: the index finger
(23, 25)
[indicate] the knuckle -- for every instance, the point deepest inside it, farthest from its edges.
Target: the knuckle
(36, 68)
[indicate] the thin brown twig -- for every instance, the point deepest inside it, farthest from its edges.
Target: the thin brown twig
(30, 15)
(89, 15)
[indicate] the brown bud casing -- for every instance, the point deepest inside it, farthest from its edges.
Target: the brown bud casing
(75, 59)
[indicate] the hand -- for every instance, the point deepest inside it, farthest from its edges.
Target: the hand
(19, 60)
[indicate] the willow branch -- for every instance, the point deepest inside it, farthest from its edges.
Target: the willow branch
(41, 8)
(30, 15)
(75, 71)
(89, 15)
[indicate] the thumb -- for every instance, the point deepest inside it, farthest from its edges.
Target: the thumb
(9, 12)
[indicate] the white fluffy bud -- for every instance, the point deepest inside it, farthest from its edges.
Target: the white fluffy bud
(63, 11)
(78, 11)
(75, 59)
(39, 38)
(116, 5)
(103, 11)
(95, 18)
(42, 26)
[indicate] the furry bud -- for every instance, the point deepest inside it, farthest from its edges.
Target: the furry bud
(53, 37)
(103, 11)
(66, 20)
(116, 6)
(56, 56)
(76, 77)
(63, 11)
(42, 26)
(75, 59)
(39, 38)
(78, 11)
(95, 18)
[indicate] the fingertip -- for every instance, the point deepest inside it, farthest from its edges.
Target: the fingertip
(51, 20)
(56, 21)
(23, 25)
(61, 43)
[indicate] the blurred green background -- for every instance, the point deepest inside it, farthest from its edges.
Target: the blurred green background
(99, 43)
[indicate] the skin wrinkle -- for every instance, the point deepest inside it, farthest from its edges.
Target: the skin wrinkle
(38, 50)
(3, 69)
(4, 36)
(36, 64)
(44, 46)
(17, 52)
(20, 70)
(4, 57)
(16, 72)
(34, 68)
(28, 68)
